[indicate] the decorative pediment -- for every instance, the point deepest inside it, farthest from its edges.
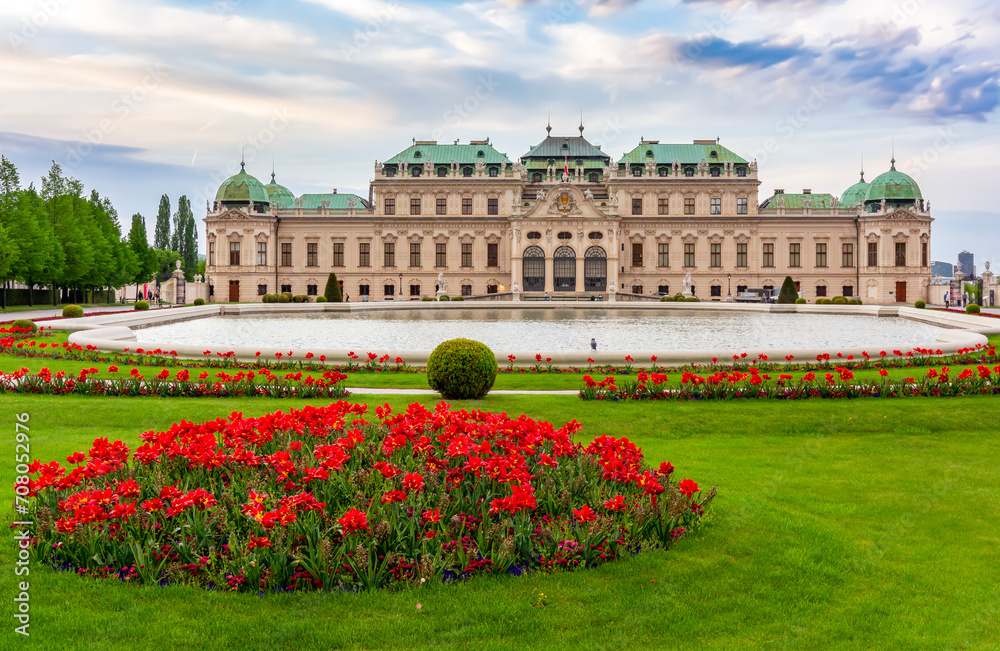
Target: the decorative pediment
(261, 237)
(415, 237)
(493, 238)
(900, 213)
(563, 203)
(636, 237)
(689, 238)
(235, 236)
(872, 237)
(900, 236)
(743, 238)
(715, 238)
(662, 238)
(467, 238)
(389, 237)
(441, 238)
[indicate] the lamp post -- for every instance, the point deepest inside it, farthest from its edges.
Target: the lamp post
(400, 285)
(729, 297)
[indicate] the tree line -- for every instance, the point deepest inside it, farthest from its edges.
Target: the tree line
(61, 238)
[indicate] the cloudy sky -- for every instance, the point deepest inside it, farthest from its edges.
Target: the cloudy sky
(143, 97)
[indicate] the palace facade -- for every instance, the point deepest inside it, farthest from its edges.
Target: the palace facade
(566, 219)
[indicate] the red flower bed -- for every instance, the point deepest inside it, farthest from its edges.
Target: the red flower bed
(321, 498)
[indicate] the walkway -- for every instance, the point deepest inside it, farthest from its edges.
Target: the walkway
(51, 312)
(431, 392)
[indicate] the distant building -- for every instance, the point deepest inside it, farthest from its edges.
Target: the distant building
(942, 269)
(967, 263)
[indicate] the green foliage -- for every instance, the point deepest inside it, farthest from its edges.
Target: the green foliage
(788, 293)
(184, 239)
(428, 298)
(692, 299)
(300, 298)
(920, 305)
(800, 301)
(25, 323)
(161, 236)
(972, 308)
(199, 301)
(443, 297)
(839, 300)
(285, 297)
(667, 299)
(462, 369)
(72, 311)
(332, 292)
(141, 305)
(458, 298)
(269, 298)
(823, 301)
(321, 299)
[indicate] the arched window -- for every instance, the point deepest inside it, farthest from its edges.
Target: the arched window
(595, 269)
(564, 269)
(534, 235)
(663, 171)
(593, 177)
(565, 235)
(533, 269)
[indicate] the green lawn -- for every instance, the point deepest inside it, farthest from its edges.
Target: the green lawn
(839, 525)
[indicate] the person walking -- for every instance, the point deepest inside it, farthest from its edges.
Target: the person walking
(593, 344)
(947, 300)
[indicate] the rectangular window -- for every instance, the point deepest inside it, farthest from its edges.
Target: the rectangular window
(211, 254)
(900, 254)
(312, 254)
(389, 250)
(715, 255)
(636, 254)
(364, 254)
(848, 255)
(820, 254)
(414, 254)
(662, 255)
(923, 254)
(689, 206)
(338, 254)
(716, 205)
(261, 254)
(234, 254)
(847, 290)
(636, 206)
(663, 289)
(441, 254)
(492, 206)
(415, 205)
(636, 289)
(364, 290)
(492, 289)
(286, 254)
(466, 290)
(389, 290)
(414, 290)
(767, 259)
(261, 290)
(467, 254)
(442, 205)
(492, 255)
(466, 205)
(741, 205)
(390, 205)
(794, 254)
(820, 291)
(689, 255)
(312, 290)
(715, 290)
(662, 206)
(741, 255)
(873, 254)
(286, 289)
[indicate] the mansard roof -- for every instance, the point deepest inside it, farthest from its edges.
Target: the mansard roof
(559, 147)
(699, 150)
(422, 151)
(337, 201)
(796, 202)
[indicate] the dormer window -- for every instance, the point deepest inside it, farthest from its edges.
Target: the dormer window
(536, 177)
(390, 171)
(579, 162)
(663, 171)
(637, 171)
(741, 171)
(466, 171)
(565, 145)
(442, 171)
(715, 171)
(713, 154)
(416, 171)
(416, 154)
(593, 177)
(688, 171)
(494, 171)
(649, 153)
(481, 153)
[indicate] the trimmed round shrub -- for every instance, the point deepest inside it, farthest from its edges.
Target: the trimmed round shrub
(823, 301)
(678, 297)
(920, 305)
(25, 323)
(693, 299)
(443, 297)
(800, 301)
(458, 298)
(667, 299)
(321, 299)
(839, 300)
(199, 301)
(141, 305)
(285, 297)
(972, 308)
(462, 369)
(854, 301)
(73, 311)
(300, 298)
(427, 298)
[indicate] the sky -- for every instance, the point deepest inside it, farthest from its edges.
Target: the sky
(139, 98)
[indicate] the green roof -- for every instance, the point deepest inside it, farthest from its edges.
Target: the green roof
(795, 202)
(686, 154)
(855, 193)
(893, 185)
(279, 195)
(559, 147)
(337, 201)
(242, 187)
(419, 153)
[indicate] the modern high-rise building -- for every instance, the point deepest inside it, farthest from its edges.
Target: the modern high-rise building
(967, 263)
(942, 269)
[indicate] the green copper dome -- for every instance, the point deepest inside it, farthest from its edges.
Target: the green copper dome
(279, 195)
(893, 186)
(241, 187)
(855, 193)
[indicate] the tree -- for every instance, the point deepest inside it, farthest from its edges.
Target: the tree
(332, 292)
(185, 237)
(161, 236)
(146, 261)
(788, 293)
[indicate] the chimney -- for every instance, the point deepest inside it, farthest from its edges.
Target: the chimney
(807, 191)
(779, 192)
(335, 190)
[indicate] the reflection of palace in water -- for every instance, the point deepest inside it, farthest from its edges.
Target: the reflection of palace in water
(564, 219)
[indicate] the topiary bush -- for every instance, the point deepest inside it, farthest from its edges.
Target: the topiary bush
(27, 324)
(73, 311)
(667, 299)
(285, 297)
(141, 305)
(300, 298)
(788, 293)
(443, 297)
(321, 299)
(458, 298)
(332, 291)
(199, 301)
(823, 301)
(800, 301)
(920, 305)
(427, 298)
(678, 297)
(854, 301)
(462, 369)
(839, 300)
(972, 308)
(693, 299)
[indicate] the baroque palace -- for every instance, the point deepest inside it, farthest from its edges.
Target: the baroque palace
(565, 220)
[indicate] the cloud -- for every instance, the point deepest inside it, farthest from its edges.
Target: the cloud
(753, 54)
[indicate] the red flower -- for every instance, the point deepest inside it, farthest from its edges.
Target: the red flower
(413, 481)
(112, 369)
(76, 457)
(432, 517)
(616, 503)
(688, 487)
(665, 468)
(584, 514)
(254, 543)
(354, 521)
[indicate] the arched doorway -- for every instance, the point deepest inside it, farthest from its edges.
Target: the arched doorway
(533, 269)
(564, 269)
(595, 269)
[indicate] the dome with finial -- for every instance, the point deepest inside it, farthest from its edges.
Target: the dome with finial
(855, 193)
(242, 188)
(893, 186)
(279, 195)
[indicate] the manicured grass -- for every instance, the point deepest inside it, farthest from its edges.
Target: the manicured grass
(839, 525)
(13, 309)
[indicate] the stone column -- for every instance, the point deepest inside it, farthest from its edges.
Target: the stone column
(549, 274)
(580, 284)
